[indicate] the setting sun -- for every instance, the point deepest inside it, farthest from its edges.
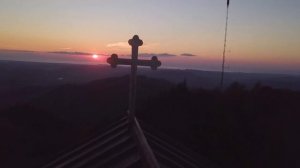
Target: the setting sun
(95, 56)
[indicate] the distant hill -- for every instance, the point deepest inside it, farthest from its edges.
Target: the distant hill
(18, 74)
(23, 81)
(237, 127)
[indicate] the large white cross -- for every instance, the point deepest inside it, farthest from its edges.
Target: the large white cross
(135, 43)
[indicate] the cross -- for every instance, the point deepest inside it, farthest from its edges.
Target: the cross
(135, 43)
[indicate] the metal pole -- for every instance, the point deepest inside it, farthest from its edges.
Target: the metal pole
(224, 51)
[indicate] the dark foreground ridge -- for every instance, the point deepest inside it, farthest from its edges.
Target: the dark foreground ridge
(237, 127)
(117, 147)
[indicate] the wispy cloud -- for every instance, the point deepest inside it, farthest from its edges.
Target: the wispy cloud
(66, 48)
(188, 55)
(158, 55)
(11, 50)
(153, 54)
(70, 53)
(118, 45)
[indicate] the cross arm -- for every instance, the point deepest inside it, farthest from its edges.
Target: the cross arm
(154, 63)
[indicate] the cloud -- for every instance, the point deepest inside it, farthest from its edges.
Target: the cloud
(70, 53)
(9, 50)
(188, 55)
(67, 48)
(118, 45)
(158, 55)
(150, 55)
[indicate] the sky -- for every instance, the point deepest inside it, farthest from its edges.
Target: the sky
(263, 36)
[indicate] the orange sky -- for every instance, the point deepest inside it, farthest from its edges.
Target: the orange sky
(259, 32)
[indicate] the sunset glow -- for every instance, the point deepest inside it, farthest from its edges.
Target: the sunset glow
(258, 31)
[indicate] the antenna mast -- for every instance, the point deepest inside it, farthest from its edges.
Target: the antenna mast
(225, 42)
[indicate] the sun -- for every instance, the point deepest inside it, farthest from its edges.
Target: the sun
(95, 56)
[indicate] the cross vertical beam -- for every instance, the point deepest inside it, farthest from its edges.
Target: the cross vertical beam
(135, 43)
